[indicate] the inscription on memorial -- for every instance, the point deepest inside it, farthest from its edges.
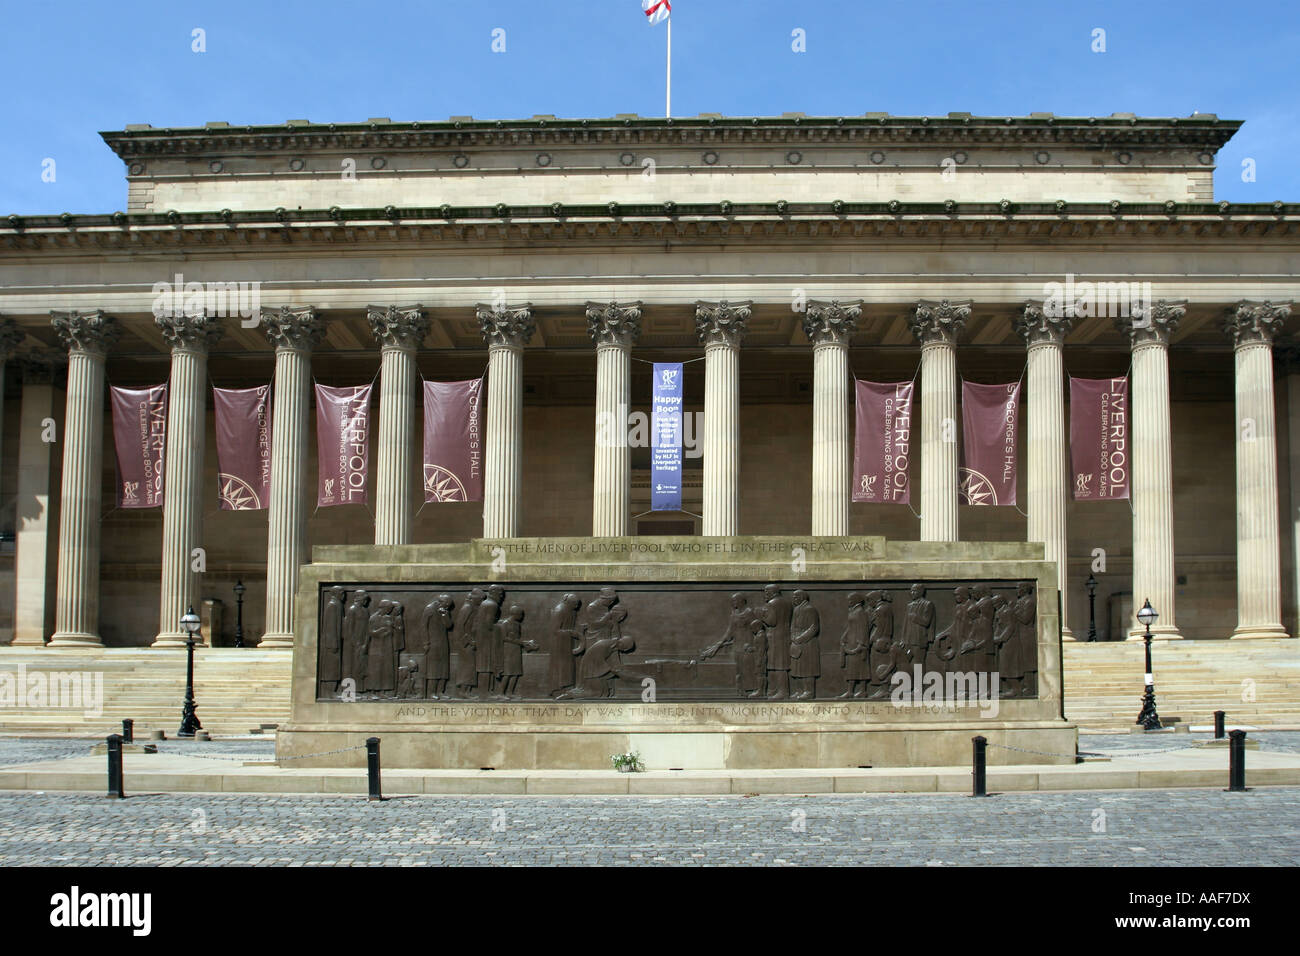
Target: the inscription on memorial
(647, 642)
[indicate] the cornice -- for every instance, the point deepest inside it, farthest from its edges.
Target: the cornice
(566, 224)
(1202, 131)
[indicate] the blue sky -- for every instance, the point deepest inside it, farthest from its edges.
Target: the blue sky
(73, 69)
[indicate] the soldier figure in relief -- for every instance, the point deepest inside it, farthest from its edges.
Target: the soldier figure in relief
(805, 647)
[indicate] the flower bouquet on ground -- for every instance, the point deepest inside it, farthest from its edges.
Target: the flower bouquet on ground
(628, 762)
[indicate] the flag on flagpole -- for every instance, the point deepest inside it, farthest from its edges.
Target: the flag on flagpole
(656, 11)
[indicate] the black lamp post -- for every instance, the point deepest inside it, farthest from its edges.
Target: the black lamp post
(1148, 718)
(1091, 584)
(189, 719)
(239, 612)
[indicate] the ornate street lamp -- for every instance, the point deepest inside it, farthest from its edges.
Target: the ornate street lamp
(189, 719)
(1091, 585)
(1149, 719)
(239, 612)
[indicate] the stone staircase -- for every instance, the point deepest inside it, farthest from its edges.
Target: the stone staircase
(236, 689)
(240, 689)
(1103, 682)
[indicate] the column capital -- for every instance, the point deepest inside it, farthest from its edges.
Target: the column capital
(940, 322)
(1255, 323)
(288, 327)
(10, 338)
(722, 323)
(1152, 324)
(506, 327)
(831, 322)
(1043, 324)
(614, 323)
(395, 327)
(94, 331)
(43, 367)
(189, 333)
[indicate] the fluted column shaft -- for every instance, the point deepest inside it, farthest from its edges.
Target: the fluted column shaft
(88, 336)
(504, 416)
(609, 508)
(1152, 491)
(182, 491)
(396, 446)
(829, 326)
(936, 326)
(721, 439)
(1259, 572)
(614, 328)
(506, 330)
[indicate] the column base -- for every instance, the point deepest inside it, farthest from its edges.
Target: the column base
(1258, 632)
(75, 639)
(1067, 635)
(1158, 633)
(276, 640)
(174, 639)
(33, 640)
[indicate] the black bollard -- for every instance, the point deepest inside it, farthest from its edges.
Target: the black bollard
(1237, 761)
(978, 772)
(128, 731)
(115, 766)
(1218, 724)
(372, 767)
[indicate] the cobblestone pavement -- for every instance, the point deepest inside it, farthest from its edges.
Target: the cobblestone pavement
(1111, 828)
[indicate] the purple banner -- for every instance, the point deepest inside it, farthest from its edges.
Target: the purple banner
(990, 423)
(140, 437)
(666, 398)
(882, 441)
(243, 447)
(1099, 438)
(453, 441)
(342, 445)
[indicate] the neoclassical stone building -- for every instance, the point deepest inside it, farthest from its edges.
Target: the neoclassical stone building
(789, 254)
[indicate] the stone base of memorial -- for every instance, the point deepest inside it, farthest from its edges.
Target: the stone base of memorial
(696, 653)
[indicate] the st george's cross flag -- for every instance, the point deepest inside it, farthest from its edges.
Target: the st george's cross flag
(656, 11)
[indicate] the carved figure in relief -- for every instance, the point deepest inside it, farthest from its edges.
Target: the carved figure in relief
(978, 653)
(805, 647)
(563, 644)
(356, 639)
(776, 617)
(331, 643)
(735, 636)
(918, 629)
(949, 642)
(466, 634)
(410, 675)
(385, 642)
(854, 644)
(486, 656)
(1010, 665)
(887, 655)
(435, 630)
(513, 645)
(1026, 615)
(751, 659)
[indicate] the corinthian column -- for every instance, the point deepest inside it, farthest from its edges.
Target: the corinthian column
(36, 553)
(1253, 325)
(936, 326)
(614, 328)
(399, 333)
(829, 326)
(1044, 335)
(721, 327)
(189, 337)
(88, 337)
(294, 333)
(506, 331)
(1153, 489)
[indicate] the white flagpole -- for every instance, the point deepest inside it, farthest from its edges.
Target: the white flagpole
(668, 85)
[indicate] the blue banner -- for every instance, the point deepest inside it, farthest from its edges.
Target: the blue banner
(666, 438)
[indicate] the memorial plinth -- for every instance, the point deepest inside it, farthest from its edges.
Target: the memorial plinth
(698, 653)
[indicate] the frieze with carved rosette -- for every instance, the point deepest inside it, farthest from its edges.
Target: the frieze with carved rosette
(395, 327)
(722, 323)
(1255, 323)
(935, 323)
(93, 331)
(1039, 325)
(299, 329)
(192, 333)
(1152, 324)
(831, 323)
(508, 327)
(614, 323)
